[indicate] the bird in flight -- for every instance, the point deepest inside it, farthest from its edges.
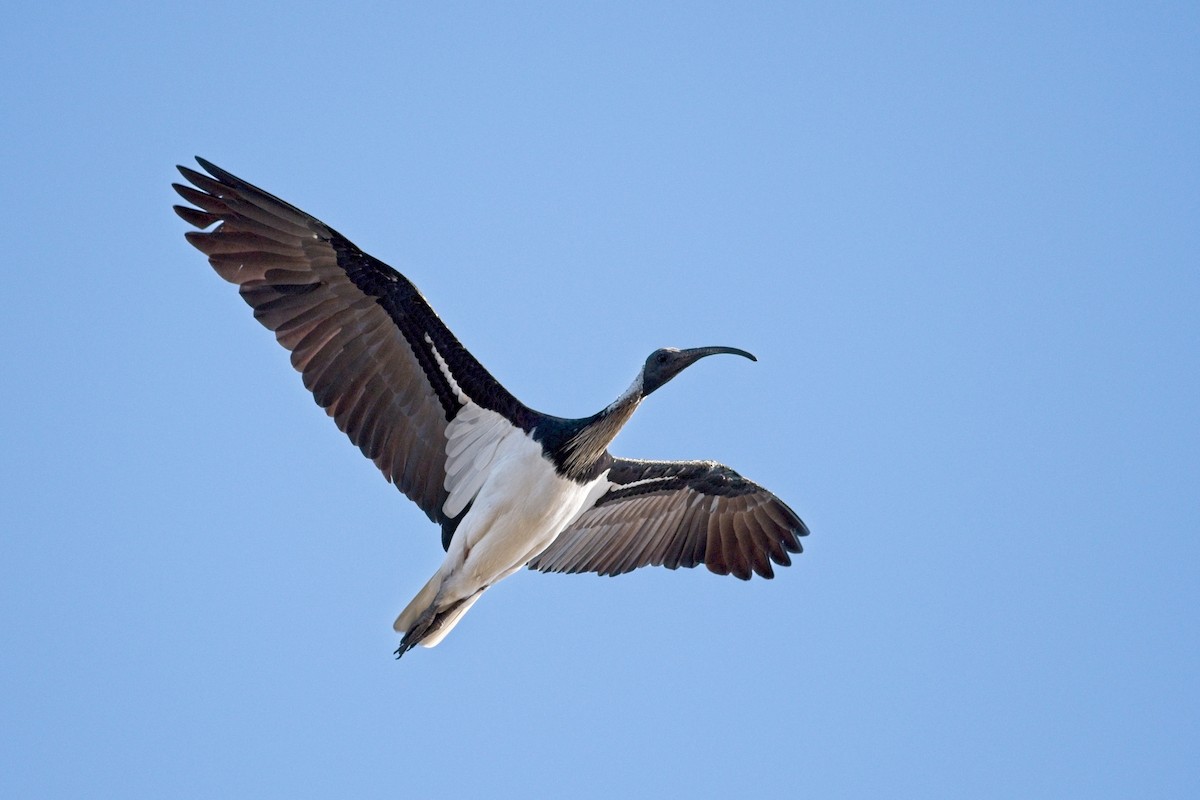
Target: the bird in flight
(509, 486)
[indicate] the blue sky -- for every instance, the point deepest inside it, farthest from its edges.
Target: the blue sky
(962, 241)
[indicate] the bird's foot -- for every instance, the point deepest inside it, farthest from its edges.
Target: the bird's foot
(419, 630)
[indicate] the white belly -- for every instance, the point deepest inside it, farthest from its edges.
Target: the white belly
(520, 509)
(518, 505)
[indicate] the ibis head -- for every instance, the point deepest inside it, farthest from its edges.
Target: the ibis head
(667, 362)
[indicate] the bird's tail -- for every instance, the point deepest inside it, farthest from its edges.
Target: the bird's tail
(423, 623)
(444, 622)
(423, 601)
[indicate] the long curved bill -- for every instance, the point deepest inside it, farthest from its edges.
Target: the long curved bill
(696, 353)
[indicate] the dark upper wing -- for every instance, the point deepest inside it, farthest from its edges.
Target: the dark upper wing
(374, 354)
(678, 514)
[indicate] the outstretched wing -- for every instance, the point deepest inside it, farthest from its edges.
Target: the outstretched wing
(370, 349)
(677, 514)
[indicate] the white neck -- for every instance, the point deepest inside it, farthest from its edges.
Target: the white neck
(633, 393)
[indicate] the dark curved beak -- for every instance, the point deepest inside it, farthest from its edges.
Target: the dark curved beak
(696, 353)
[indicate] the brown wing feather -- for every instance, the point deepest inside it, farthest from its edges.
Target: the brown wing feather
(678, 514)
(350, 352)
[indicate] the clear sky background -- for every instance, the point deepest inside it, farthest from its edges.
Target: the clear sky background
(963, 240)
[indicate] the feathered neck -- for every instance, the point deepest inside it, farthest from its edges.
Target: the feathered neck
(586, 447)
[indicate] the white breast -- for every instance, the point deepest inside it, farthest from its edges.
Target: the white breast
(520, 507)
(518, 504)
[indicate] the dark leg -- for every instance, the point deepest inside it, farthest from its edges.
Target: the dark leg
(429, 622)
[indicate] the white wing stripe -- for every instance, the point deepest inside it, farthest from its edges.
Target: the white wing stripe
(645, 481)
(445, 368)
